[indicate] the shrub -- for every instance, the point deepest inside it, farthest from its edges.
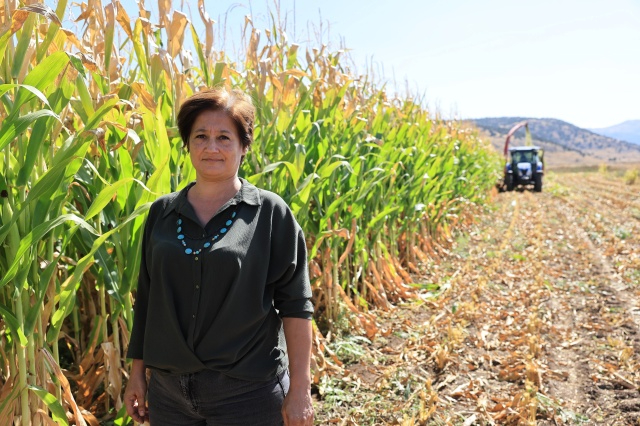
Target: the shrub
(630, 176)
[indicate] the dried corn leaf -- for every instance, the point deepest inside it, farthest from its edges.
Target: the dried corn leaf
(68, 396)
(175, 32)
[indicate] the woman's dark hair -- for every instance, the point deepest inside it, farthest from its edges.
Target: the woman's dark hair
(235, 103)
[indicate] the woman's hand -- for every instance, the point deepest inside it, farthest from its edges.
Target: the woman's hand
(136, 393)
(297, 409)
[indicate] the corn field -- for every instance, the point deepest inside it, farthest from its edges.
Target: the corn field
(88, 139)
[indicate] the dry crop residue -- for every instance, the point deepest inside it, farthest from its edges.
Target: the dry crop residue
(532, 316)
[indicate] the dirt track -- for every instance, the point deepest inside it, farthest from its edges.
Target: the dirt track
(531, 317)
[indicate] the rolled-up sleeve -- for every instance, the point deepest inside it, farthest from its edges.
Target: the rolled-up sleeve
(288, 267)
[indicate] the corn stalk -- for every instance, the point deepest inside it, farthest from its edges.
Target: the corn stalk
(88, 139)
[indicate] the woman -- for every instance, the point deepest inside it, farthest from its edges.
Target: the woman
(223, 286)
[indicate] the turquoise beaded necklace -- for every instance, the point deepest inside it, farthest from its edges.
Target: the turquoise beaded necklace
(209, 242)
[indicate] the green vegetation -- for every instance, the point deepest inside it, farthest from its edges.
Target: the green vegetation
(88, 140)
(631, 176)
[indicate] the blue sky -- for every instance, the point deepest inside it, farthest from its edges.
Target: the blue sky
(575, 60)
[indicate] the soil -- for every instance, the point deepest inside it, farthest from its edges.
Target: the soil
(530, 315)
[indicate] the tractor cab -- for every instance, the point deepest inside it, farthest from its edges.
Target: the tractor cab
(524, 167)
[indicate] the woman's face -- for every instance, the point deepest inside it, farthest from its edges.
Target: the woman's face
(215, 147)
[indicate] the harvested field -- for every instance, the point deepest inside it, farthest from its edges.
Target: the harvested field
(531, 316)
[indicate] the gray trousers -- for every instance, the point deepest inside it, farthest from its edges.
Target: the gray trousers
(213, 399)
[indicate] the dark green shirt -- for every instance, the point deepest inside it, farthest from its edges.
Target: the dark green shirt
(220, 309)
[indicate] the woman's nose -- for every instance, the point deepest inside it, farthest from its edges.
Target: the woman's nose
(211, 145)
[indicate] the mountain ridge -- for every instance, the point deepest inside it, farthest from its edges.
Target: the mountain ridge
(564, 143)
(628, 131)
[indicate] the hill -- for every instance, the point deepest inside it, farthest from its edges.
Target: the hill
(626, 131)
(564, 143)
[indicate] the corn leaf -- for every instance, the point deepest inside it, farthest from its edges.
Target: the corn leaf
(105, 196)
(36, 235)
(23, 46)
(58, 413)
(12, 127)
(42, 76)
(14, 325)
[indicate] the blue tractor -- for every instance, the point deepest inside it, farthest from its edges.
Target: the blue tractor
(524, 168)
(524, 165)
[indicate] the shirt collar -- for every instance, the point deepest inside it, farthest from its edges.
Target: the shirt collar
(248, 194)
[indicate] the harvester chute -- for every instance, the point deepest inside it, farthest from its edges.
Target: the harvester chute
(524, 165)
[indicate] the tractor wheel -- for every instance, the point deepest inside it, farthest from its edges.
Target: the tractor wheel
(537, 183)
(508, 180)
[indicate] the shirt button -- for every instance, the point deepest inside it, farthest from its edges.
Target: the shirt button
(196, 257)
(193, 316)
(197, 286)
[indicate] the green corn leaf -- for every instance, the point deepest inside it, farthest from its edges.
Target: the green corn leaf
(82, 263)
(204, 67)
(14, 325)
(12, 127)
(217, 73)
(141, 54)
(42, 76)
(4, 88)
(38, 136)
(49, 182)
(66, 297)
(125, 171)
(58, 413)
(34, 237)
(67, 294)
(100, 113)
(326, 170)
(294, 171)
(337, 202)
(4, 40)
(105, 196)
(380, 216)
(85, 99)
(109, 273)
(36, 308)
(300, 200)
(164, 145)
(134, 259)
(76, 62)
(53, 29)
(122, 418)
(23, 46)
